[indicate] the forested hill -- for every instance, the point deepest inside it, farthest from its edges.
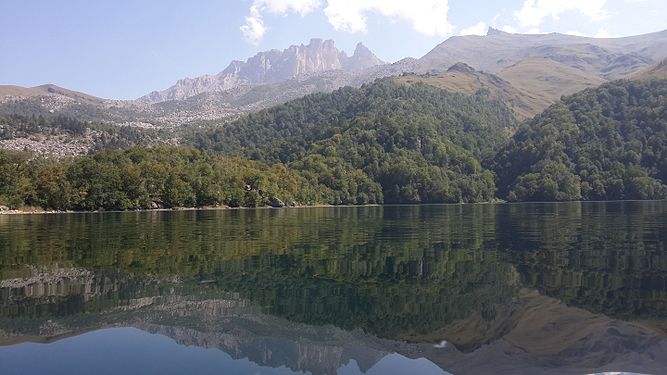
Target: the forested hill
(606, 143)
(145, 178)
(417, 142)
(383, 143)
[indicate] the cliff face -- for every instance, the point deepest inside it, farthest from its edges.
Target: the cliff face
(272, 67)
(362, 59)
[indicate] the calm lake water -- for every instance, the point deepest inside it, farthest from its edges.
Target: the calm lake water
(571, 288)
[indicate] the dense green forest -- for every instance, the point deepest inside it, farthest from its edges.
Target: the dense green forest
(141, 178)
(383, 143)
(417, 143)
(607, 143)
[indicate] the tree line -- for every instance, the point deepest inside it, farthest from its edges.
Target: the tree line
(608, 143)
(382, 143)
(144, 178)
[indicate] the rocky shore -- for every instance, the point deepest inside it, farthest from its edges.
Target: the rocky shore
(4, 210)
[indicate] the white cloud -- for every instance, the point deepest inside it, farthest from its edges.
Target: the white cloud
(301, 7)
(479, 29)
(428, 17)
(533, 12)
(254, 29)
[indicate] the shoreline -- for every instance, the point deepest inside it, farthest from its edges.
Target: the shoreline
(225, 208)
(177, 209)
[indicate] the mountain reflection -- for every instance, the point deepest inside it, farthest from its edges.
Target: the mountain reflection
(549, 288)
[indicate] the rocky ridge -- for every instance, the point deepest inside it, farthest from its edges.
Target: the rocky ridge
(271, 67)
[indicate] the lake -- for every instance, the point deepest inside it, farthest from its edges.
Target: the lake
(571, 288)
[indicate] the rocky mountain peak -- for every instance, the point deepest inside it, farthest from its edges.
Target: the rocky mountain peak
(272, 66)
(362, 58)
(495, 32)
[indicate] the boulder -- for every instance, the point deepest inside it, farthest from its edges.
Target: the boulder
(276, 203)
(4, 208)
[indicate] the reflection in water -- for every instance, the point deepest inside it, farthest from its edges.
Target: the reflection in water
(145, 353)
(549, 288)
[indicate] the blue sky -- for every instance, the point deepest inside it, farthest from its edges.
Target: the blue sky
(123, 49)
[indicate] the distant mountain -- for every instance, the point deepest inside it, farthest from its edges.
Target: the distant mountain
(545, 67)
(18, 91)
(541, 68)
(56, 90)
(48, 89)
(527, 72)
(272, 67)
(361, 59)
(609, 58)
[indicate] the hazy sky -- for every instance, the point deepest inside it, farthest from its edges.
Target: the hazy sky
(126, 48)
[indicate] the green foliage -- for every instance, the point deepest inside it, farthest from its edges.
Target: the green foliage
(346, 184)
(383, 143)
(607, 143)
(15, 184)
(141, 178)
(415, 144)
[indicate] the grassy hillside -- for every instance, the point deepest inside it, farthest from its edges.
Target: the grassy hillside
(48, 89)
(461, 78)
(658, 71)
(12, 90)
(542, 82)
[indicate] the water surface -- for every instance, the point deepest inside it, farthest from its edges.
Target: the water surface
(467, 289)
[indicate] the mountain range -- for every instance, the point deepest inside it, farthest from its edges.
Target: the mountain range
(271, 67)
(527, 72)
(539, 68)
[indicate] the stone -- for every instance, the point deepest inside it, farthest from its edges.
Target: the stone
(276, 203)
